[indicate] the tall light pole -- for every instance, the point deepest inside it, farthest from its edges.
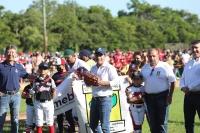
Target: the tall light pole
(44, 26)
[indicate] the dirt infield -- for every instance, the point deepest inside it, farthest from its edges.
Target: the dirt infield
(22, 116)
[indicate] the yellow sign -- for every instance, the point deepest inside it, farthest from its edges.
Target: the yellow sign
(116, 111)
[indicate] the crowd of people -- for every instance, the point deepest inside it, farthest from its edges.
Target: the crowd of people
(119, 59)
(151, 74)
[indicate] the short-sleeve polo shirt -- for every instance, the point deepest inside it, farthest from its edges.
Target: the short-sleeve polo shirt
(159, 79)
(10, 75)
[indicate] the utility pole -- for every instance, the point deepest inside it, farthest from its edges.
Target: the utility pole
(44, 26)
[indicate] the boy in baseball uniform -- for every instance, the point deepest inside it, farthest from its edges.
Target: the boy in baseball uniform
(30, 110)
(44, 87)
(134, 94)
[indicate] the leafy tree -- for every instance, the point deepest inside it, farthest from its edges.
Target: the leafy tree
(31, 39)
(6, 36)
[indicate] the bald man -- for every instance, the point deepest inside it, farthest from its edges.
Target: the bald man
(159, 86)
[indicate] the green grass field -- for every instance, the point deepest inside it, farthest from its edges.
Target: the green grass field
(176, 118)
(22, 128)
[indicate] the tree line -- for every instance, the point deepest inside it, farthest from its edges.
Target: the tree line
(70, 25)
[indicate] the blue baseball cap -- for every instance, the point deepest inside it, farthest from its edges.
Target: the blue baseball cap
(86, 53)
(100, 50)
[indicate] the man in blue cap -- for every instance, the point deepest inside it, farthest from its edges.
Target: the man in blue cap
(101, 95)
(85, 55)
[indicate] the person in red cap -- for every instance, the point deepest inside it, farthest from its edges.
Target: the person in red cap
(118, 65)
(59, 77)
(129, 56)
(117, 55)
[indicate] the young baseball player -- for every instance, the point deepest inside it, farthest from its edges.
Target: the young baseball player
(135, 98)
(30, 110)
(44, 87)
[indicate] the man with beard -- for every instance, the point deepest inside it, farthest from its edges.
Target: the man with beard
(59, 77)
(102, 95)
(158, 78)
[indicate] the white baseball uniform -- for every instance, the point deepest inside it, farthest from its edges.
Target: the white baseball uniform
(30, 110)
(137, 109)
(44, 104)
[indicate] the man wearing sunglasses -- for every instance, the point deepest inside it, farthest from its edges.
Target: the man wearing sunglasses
(159, 83)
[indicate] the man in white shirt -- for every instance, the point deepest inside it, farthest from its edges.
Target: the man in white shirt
(158, 78)
(190, 85)
(102, 95)
(73, 62)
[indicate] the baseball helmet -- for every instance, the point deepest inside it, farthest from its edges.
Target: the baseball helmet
(44, 65)
(136, 75)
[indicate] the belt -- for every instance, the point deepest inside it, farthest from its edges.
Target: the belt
(99, 98)
(157, 93)
(194, 92)
(138, 106)
(30, 104)
(43, 100)
(10, 92)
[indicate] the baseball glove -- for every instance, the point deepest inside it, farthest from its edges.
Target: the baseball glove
(91, 79)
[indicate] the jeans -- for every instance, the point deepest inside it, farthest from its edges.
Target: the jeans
(12, 101)
(191, 105)
(100, 110)
(158, 111)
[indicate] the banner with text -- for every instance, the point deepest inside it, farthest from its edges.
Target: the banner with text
(120, 120)
(64, 99)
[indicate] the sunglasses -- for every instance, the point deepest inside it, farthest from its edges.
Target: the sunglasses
(151, 71)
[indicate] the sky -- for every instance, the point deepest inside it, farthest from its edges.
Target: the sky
(114, 6)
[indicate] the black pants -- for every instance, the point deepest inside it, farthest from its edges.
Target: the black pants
(191, 106)
(69, 118)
